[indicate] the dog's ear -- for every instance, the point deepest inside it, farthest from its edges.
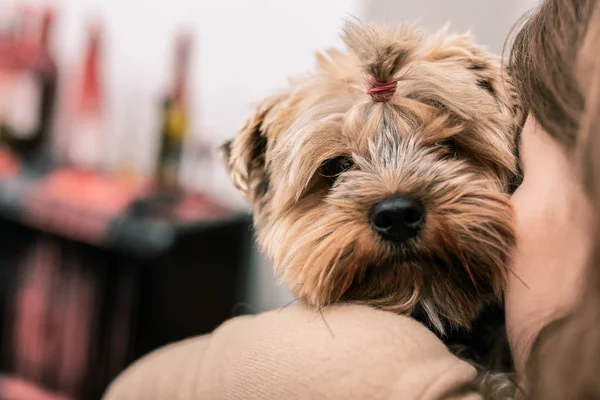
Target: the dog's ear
(244, 156)
(463, 49)
(490, 72)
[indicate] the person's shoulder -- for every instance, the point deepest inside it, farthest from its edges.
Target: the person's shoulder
(340, 352)
(342, 325)
(343, 351)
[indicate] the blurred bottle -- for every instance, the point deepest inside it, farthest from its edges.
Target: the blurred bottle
(7, 34)
(174, 124)
(31, 86)
(7, 19)
(87, 129)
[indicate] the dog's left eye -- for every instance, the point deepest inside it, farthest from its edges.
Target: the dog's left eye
(333, 167)
(449, 147)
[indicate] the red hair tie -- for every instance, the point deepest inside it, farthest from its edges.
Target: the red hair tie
(382, 91)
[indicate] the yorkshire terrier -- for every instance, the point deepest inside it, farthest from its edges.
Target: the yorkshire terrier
(383, 178)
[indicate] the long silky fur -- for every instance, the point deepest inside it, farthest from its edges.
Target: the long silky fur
(318, 235)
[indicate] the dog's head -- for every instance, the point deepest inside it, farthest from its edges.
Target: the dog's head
(399, 202)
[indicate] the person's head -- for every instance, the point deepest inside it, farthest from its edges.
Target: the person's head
(553, 299)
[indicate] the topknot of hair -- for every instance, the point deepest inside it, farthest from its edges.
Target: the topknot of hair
(381, 51)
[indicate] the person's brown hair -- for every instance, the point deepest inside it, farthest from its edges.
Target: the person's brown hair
(555, 62)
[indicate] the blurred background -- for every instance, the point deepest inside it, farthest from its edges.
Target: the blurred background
(119, 229)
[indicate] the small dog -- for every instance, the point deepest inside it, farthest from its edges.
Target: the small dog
(383, 177)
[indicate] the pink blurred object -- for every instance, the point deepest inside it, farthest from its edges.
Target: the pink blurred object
(193, 207)
(77, 304)
(53, 317)
(32, 306)
(13, 388)
(80, 203)
(7, 61)
(9, 164)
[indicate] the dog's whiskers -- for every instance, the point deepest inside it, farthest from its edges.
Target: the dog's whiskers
(518, 277)
(287, 305)
(325, 321)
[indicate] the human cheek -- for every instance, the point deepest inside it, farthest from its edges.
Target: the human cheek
(530, 281)
(546, 265)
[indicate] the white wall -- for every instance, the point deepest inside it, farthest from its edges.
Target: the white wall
(489, 21)
(244, 49)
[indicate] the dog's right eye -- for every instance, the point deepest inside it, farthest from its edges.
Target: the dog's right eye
(334, 167)
(449, 147)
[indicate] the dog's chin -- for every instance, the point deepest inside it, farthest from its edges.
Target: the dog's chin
(402, 283)
(391, 283)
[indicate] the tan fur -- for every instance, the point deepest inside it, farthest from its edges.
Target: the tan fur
(319, 237)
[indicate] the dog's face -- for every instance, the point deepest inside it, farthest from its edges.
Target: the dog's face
(401, 204)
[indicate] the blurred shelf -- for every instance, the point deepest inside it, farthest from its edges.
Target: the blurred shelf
(102, 210)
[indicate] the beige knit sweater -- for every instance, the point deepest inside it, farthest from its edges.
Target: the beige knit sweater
(359, 353)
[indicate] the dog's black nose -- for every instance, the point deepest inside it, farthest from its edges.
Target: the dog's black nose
(397, 219)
